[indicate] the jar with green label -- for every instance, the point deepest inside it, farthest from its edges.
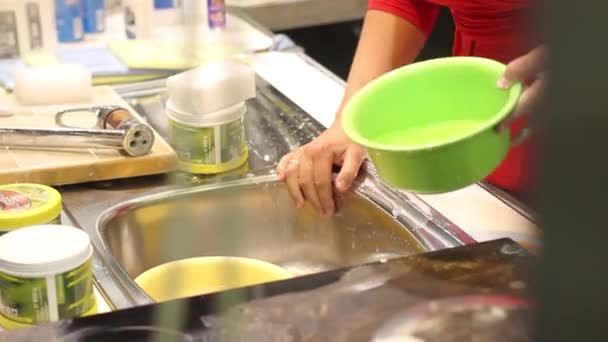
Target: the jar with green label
(209, 144)
(45, 275)
(23, 205)
(206, 110)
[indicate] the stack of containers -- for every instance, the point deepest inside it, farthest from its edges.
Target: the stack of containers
(206, 110)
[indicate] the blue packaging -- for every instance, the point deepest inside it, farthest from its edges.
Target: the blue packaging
(68, 15)
(94, 16)
(164, 4)
(216, 13)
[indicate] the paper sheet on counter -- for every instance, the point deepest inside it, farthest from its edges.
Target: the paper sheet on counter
(290, 73)
(485, 217)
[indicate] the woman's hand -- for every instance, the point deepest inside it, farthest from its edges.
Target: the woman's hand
(308, 170)
(529, 69)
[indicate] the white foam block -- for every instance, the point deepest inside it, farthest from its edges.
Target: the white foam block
(50, 85)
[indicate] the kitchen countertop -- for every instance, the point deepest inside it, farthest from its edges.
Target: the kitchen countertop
(474, 209)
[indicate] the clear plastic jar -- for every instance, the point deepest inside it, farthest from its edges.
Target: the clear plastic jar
(206, 110)
(209, 144)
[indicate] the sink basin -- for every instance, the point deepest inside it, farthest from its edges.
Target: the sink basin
(256, 221)
(252, 218)
(255, 218)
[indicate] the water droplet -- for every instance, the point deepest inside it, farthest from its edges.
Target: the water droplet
(206, 322)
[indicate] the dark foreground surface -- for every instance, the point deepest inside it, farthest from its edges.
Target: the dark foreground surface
(472, 293)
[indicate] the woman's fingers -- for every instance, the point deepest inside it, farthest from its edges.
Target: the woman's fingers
(528, 68)
(307, 178)
(282, 166)
(306, 181)
(353, 158)
(323, 164)
(524, 68)
(530, 97)
(291, 172)
(527, 103)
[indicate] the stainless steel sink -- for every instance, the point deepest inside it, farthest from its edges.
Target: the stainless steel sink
(153, 220)
(255, 218)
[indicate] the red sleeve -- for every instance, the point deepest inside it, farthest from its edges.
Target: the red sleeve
(420, 13)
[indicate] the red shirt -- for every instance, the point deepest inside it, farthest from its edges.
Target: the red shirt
(496, 29)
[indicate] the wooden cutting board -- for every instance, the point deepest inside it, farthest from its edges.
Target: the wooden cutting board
(53, 167)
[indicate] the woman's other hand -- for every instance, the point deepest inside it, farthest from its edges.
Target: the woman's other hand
(530, 70)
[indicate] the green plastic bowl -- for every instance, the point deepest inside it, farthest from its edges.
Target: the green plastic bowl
(429, 127)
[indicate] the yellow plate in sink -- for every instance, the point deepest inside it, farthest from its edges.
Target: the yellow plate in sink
(202, 275)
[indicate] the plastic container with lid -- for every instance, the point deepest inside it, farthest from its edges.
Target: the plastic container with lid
(45, 275)
(68, 16)
(94, 16)
(206, 110)
(23, 205)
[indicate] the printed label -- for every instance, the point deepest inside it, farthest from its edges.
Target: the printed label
(217, 13)
(9, 37)
(233, 141)
(198, 144)
(68, 14)
(34, 25)
(78, 28)
(23, 197)
(14, 201)
(130, 22)
(25, 300)
(101, 19)
(193, 144)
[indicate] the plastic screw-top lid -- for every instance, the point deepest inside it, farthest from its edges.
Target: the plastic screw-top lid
(211, 87)
(43, 250)
(23, 205)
